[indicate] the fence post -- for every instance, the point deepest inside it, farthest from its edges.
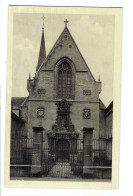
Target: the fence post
(36, 151)
(88, 145)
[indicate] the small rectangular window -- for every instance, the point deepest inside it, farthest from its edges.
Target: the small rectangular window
(86, 92)
(41, 91)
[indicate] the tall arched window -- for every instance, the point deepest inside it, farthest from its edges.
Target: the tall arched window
(64, 80)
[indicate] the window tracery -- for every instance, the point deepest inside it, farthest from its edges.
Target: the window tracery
(64, 80)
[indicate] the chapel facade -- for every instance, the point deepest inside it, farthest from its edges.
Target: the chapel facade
(63, 112)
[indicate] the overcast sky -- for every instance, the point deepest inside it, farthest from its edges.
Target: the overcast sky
(93, 34)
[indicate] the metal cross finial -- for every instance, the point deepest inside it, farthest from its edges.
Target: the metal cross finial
(66, 21)
(43, 21)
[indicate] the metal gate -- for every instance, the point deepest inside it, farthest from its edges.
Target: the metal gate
(62, 151)
(62, 156)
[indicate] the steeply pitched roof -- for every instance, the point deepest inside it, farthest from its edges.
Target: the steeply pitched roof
(56, 45)
(102, 106)
(17, 101)
(42, 52)
(109, 108)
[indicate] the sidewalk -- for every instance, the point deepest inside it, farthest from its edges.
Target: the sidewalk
(59, 179)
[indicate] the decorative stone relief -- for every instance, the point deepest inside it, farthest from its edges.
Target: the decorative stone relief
(63, 121)
(41, 91)
(40, 112)
(86, 92)
(86, 113)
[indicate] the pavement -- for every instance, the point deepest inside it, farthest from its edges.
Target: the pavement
(58, 179)
(61, 169)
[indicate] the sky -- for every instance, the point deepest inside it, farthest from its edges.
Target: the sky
(93, 34)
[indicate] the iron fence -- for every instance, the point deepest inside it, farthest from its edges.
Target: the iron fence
(62, 158)
(58, 159)
(102, 151)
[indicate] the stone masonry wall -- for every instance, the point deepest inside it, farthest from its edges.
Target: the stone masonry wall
(83, 80)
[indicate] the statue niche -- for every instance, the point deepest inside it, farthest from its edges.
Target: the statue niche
(63, 121)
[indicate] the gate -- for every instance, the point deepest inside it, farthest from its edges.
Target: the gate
(62, 153)
(62, 157)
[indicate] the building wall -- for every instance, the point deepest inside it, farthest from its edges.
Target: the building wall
(49, 100)
(46, 78)
(109, 129)
(109, 124)
(17, 125)
(109, 120)
(76, 115)
(102, 123)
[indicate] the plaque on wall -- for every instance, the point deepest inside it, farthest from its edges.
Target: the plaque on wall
(40, 112)
(86, 92)
(41, 91)
(86, 113)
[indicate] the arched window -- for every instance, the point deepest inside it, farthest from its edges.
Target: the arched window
(64, 80)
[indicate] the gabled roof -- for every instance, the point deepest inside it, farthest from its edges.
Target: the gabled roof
(109, 108)
(65, 30)
(101, 105)
(17, 101)
(24, 103)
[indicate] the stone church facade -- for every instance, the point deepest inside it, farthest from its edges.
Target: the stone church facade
(63, 113)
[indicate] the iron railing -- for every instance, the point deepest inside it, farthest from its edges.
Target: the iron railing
(58, 159)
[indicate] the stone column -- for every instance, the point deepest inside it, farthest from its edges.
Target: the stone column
(36, 151)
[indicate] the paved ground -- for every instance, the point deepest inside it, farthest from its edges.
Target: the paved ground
(59, 179)
(62, 169)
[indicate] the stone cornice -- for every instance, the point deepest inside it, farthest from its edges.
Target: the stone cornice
(47, 100)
